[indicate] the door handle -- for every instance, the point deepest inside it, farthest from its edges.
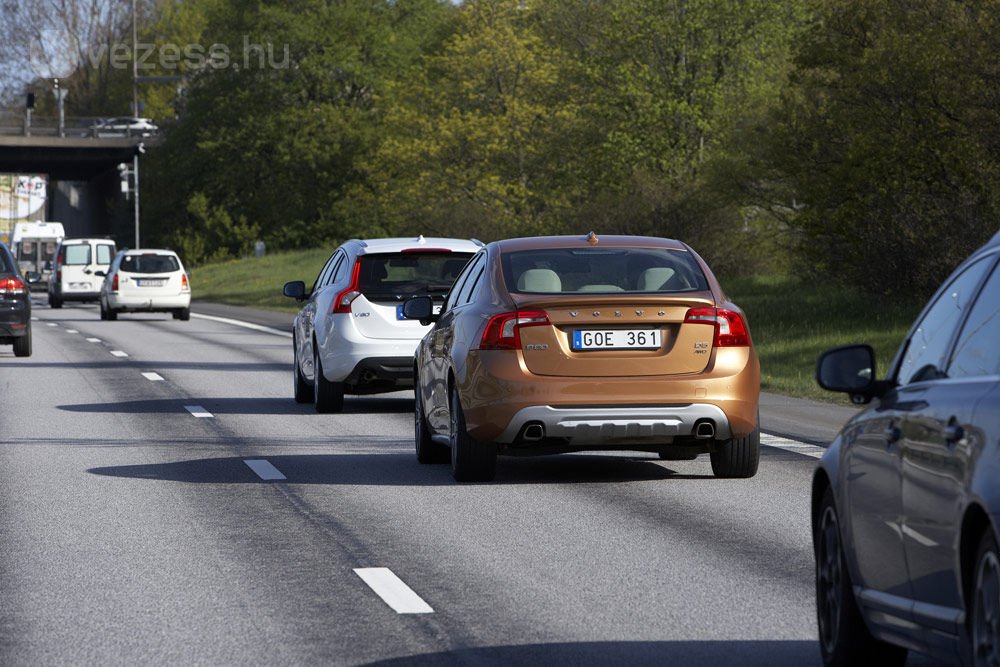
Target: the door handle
(892, 433)
(953, 432)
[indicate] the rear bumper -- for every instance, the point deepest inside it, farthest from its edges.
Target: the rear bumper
(152, 303)
(15, 318)
(381, 374)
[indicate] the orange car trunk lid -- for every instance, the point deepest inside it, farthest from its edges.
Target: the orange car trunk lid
(614, 337)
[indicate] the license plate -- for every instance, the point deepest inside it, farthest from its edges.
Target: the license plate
(616, 339)
(150, 283)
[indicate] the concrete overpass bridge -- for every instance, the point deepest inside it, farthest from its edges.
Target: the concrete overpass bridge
(84, 189)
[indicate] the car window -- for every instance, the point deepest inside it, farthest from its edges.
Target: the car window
(104, 253)
(458, 290)
(602, 271)
(930, 339)
(327, 268)
(469, 289)
(338, 269)
(75, 255)
(976, 352)
(407, 273)
(4, 265)
(149, 263)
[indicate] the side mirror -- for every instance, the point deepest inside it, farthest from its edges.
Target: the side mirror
(850, 369)
(295, 289)
(420, 308)
(100, 274)
(33, 277)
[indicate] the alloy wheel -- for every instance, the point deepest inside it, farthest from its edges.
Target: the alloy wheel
(829, 579)
(986, 615)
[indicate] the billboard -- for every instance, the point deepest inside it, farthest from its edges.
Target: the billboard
(22, 199)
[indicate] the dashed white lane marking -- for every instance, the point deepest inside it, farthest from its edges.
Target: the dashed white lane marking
(264, 469)
(93, 340)
(198, 411)
(118, 353)
(34, 319)
(393, 591)
(789, 445)
(245, 325)
(51, 324)
(153, 377)
(72, 331)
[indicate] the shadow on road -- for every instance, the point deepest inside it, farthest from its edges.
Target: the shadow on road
(401, 469)
(687, 653)
(243, 406)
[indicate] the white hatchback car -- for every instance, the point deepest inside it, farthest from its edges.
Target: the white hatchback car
(146, 281)
(351, 335)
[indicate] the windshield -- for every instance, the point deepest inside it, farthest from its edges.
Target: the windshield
(150, 263)
(407, 273)
(602, 271)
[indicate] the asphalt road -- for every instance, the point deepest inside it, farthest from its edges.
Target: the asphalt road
(140, 523)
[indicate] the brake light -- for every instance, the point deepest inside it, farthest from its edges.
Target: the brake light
(730, 329)
(408, 250)
(114, 284)
(12, 286)
(342, 303)
(503, 331)
(184, 283)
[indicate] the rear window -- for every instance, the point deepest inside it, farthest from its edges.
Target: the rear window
(392, 275)
(149, 264)
(105, 253)
(602, 271)
(4, 266)
(76, 255)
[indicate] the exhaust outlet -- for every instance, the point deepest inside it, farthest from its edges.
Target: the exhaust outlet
(704, 430)
(533, 433)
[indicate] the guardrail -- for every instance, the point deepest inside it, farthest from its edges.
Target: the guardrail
(13, 125)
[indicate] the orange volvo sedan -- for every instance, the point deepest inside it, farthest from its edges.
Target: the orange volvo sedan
(574, 343)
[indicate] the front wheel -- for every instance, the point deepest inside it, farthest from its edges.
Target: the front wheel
(844, 639)
(471, 461)
(985, 630)
(428, 451)
(329, 395)
(22, 344)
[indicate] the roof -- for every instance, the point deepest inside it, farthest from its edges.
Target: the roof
(370, 246)
(536, 242)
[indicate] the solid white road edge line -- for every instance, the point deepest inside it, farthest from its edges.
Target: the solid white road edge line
(153, 377)
(118, 353)
(245, 325)
(789, 445)
(393, 591)
(198, 411)
(264, 469)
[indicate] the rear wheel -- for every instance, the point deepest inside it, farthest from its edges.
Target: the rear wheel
(111, 313)
(22, 344)
(985, 630)
(471, 461)
(182, 314)
(737, 457)
(843, 636)
(55, 301)
(304, 391)
(428, 451)
(329, 396)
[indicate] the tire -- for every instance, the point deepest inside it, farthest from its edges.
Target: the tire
(22, 344)
(329, 396)
(104, 311)
(984, 640)
(471, 461)
(737, 458)
(844, 639)
(112, 314)
(304, 389)
(55, 302)
(428, 451)
(184, 314)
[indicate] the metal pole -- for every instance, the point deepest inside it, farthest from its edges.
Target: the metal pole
(135, 77)
(135, 175)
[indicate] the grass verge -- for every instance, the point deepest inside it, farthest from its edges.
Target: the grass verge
(791, 322)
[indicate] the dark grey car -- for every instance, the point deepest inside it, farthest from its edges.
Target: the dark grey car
(15, 304)
(906, 501)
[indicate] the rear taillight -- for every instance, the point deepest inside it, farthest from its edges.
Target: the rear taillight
(114, 284)
(730, 329)
(184, 283)
(503, 331)
(12, 286)
(342, 303)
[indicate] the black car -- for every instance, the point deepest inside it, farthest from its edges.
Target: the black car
(15, 304)
(906, 501)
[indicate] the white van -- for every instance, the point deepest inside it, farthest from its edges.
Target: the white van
(74, 270)
(34, 245)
